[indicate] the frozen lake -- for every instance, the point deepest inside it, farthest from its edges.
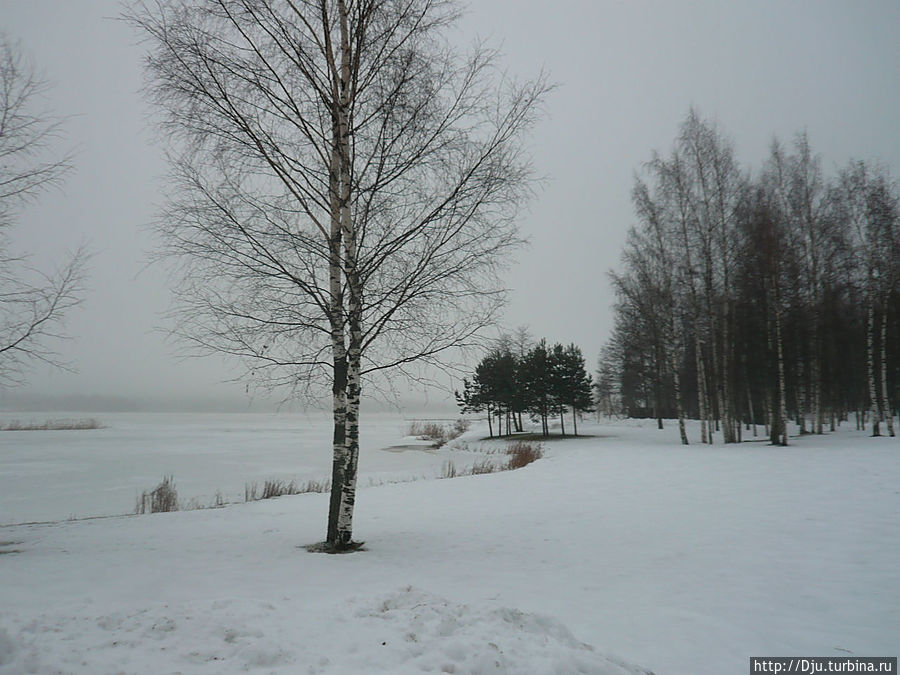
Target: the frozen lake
(55, 475)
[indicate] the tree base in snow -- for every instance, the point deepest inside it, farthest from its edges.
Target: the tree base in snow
(325, 547)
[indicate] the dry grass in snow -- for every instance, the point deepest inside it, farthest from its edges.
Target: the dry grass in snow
(54, 425)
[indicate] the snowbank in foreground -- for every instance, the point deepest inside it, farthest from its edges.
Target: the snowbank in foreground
(621, 548)
(405, 631)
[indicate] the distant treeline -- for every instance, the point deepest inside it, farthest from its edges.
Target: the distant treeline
(536, 379)
(756, 298)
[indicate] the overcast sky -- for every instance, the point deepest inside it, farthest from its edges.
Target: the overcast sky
(628, 72)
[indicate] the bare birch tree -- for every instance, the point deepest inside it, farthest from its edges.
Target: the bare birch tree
(657, 219)
(767, 233)
(866, 202)
(800, 191)
(346, 184)
(675, 185)
(641, 295)
(717, 187)
(883, 221)
(698, 190)
(34, 303)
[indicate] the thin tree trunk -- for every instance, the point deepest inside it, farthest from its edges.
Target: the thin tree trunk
(750, 406)
(725, 394)
(782, 408)
(802, 406)
(870, 342)
(679, 406)
(775, 426)
(714, 374)
(804, 397)
(701, 385)
(657, 388)
(812, 240)
(816, 376)
(885, 400)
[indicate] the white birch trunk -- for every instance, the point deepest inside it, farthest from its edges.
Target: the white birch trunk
(339, 409)
(782, 404)
(728, 421)
(346, 457)
(676, 384)
(339, 352)
(348, 488)
(705, 432)
(714, 368)
(885, 400)
(870, 357)
(354, 308)
(816, 374)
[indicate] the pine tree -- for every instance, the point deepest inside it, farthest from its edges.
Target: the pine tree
(579, 385)
(536, 382)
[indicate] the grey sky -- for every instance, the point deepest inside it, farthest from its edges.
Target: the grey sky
(628, 73)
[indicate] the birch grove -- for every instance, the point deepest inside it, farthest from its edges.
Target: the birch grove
(345, 186)
(758, 298)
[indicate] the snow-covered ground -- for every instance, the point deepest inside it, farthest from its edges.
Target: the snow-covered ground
(622, 548)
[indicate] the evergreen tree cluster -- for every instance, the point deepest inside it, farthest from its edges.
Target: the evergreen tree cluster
(540, 380)
(757, 298)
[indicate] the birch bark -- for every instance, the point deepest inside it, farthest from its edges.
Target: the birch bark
(885, 401)
(349, 455)
(782, 389)
(338, 525)
(870, 359)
